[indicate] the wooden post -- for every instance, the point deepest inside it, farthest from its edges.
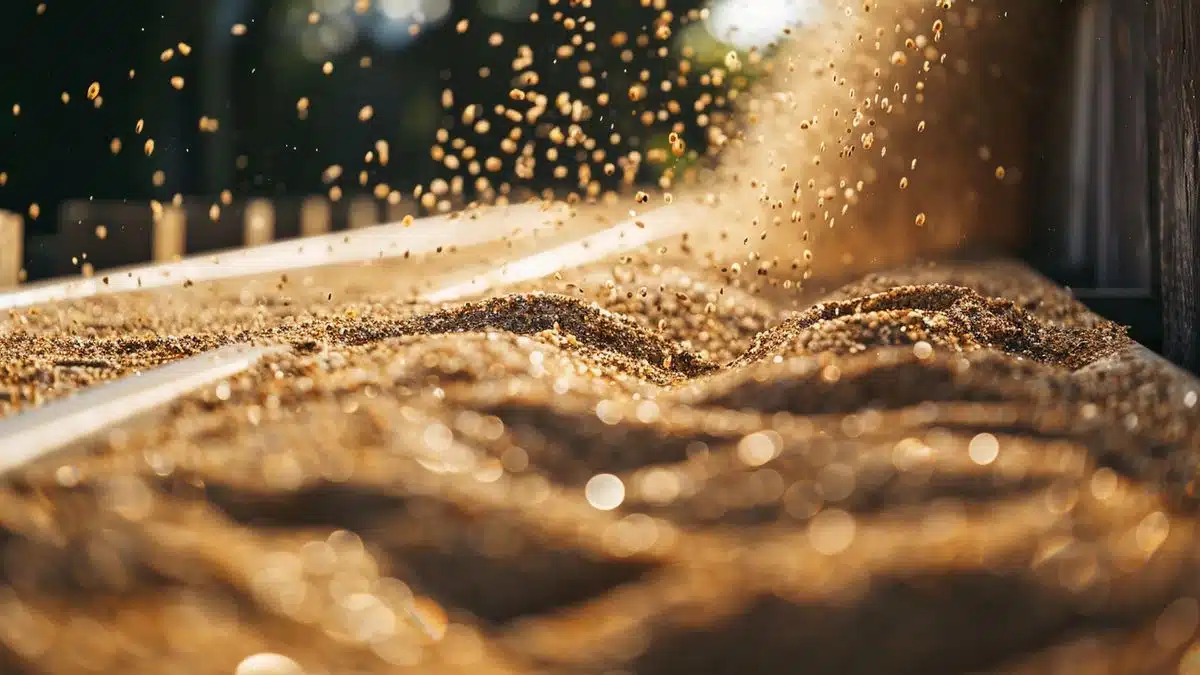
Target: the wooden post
(316, 217)
(259, 222)
(170, 234)
(364, 212)
(1176, 66)
(12, 239)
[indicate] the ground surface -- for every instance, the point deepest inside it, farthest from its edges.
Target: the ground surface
(644, 469)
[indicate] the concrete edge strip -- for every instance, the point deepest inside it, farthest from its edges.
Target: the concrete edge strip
(629, 235)
(28, 436)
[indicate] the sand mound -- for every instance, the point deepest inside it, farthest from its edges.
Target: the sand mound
(646, 469)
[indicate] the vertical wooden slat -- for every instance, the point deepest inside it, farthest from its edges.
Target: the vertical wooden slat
(12, 239)
(1177, 48)
(170, 233)
(316, 217)
(364, 212)
(259, 222)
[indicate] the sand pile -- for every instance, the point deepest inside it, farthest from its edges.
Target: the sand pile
(639, 468)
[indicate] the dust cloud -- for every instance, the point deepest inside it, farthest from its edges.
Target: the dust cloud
(884, 132)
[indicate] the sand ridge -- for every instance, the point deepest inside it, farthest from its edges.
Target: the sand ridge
(641, 466)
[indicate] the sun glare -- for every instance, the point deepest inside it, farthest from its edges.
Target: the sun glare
(747, 24)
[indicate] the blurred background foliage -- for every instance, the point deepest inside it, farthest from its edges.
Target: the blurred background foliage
(257, 98)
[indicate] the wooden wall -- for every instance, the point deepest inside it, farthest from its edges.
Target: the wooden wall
(1176, 46)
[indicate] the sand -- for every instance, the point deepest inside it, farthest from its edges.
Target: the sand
(638, 467)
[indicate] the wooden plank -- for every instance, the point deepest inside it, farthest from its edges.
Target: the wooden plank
(1177, 51)
(12, 250)
(170, 233)
(259, 222)
(316, 217)
(364, 212)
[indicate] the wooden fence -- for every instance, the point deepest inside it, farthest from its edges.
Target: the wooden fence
(96, 234)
